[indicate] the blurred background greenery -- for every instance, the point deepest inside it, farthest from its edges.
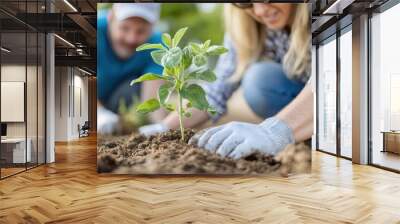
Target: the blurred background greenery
(203, 19)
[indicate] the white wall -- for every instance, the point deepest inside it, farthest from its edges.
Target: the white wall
(61, 103)
(81, 88)
(14, 73)
(33, 126)
(71, 93)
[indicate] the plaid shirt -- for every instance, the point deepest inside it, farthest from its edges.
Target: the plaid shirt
(218, 92)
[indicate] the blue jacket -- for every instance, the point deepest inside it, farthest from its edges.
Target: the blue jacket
(111, 70)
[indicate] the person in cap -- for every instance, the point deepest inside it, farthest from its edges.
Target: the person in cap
(119, 32)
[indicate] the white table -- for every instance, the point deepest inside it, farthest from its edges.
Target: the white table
(19, 155)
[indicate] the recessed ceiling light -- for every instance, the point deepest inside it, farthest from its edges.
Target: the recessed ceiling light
(337, 7)
(84, 71)
(70, 5)
(64, 40)
(5, 50)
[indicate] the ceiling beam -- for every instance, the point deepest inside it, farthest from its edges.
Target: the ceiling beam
(337, 7)
(82, 61)
(86, 27)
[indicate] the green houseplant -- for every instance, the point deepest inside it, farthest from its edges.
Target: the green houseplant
(183, 67)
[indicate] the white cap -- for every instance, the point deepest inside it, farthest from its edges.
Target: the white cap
(147, 11)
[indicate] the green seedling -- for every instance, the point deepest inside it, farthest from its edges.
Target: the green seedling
(130, 119)
(183, 67)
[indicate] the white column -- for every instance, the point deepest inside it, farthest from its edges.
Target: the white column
(313, 83)
(360, 90)
(50, 94)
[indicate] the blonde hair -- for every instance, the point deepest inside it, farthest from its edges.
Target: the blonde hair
(248, 38)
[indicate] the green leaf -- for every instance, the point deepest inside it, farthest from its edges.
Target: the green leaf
(158, 55)
(172, 58)
(148, 46)
(166, 38)
(196, 48)
(169, 107)
(187, 57)
(216, 50)
(200, 60)
(178, 36)
(206, 44)
(211, 110)
(196, 95)
(148, 106)
(148, 77)
(168, 71)
(206, 75)
(164, 91)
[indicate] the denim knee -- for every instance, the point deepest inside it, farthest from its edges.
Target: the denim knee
(266, 88)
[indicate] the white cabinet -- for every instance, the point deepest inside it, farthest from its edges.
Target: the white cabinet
(16, 147)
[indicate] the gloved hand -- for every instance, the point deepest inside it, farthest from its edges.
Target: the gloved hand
(239, 139)
(153, 129)
(106, 121)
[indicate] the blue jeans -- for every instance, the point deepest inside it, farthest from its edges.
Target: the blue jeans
(267, 90)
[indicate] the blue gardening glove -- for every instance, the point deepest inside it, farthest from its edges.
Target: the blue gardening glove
(153, 129)
(240, 139)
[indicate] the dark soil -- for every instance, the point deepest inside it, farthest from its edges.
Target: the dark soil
(167, 154)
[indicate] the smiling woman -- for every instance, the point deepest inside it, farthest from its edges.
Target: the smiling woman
(274, 16)
(288, 21)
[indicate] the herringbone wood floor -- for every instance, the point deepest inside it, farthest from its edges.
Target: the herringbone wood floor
(70, 191)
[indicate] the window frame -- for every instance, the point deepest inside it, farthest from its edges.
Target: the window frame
(333, 37)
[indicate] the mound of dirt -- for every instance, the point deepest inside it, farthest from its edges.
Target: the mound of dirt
(167, 154)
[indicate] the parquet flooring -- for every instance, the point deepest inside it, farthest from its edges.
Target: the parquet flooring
(10, 171)
(70, 191)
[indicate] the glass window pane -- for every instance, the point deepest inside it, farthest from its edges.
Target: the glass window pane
(346, 94)
(13, 85)
(385, 89)
(23, 84)
(31, 97)
(327, 97)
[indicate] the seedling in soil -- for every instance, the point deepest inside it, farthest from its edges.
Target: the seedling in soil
(183, 67)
